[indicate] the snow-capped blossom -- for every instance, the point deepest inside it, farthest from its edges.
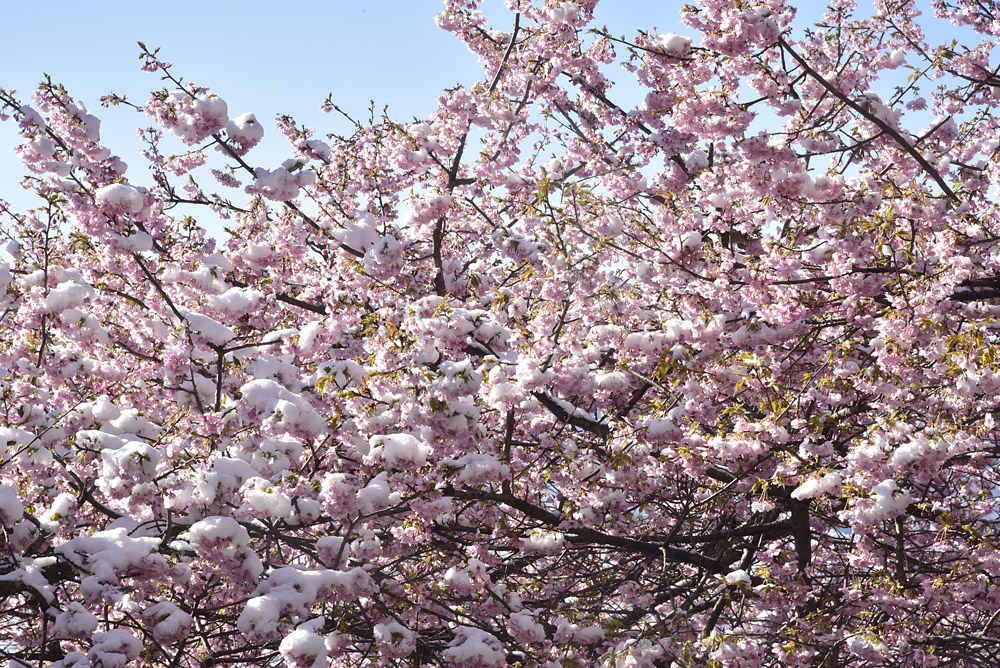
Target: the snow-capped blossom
(222, 536)
(111, 551)
(465, 579)
(264, 500)
(674, 44)
(135, 462)
(398, 450)
(384, 258)
(235, 300)
(330, 549)
(71, 660)
(303, 649)
(474, 648)
(359, 234)
(61, 510)
(280, 184)
(192, 117)
(870, 649)
(739, 577)
(259, 619)
(289, 410)
(343, 372)
(524, 628)
(31, 118)
(167, 622)
(11, 508)
(814, 487)
(208, 328)
(114, 649)
(544, 542)
(319, 149)
(245, 131)
(887, 501)
(119, 198)
(394, 639)
(377, 494)
(75, 622)
(67, 294)
(476, 468)
(569, 632)
(137, 242)
(919, 450)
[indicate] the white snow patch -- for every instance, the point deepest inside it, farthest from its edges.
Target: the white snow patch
(398, 450)
(119, 198)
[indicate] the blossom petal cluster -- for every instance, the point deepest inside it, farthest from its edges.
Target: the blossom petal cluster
(559, 375)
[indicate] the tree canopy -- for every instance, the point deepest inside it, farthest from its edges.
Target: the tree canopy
(544, 379)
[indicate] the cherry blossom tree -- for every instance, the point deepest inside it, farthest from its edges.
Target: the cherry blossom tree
(544, 379)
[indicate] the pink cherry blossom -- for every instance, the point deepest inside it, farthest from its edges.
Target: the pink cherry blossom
(559, 375)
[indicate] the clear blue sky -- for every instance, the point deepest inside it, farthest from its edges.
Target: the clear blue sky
(262, 57)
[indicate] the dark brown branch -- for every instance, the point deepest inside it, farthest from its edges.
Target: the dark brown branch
(586, 424)
(586, 535)
(506, 55)
(885, 127)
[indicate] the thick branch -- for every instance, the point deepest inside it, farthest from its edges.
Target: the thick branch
(586, 535)
(563, 415)
(885, 127)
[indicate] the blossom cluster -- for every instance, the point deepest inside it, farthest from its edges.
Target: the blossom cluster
(547, 378)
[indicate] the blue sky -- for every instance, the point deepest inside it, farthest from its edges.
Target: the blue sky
(262, 57)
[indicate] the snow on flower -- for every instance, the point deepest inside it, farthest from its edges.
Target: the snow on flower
(394, 639)
(68, 294)
(541, 541)
(75, 622)
(11, 508)
(259, 618)
(236, 301)
(377, 495)
(111, 551)
(169, 623)
(814, 487)
(523, 627)
(738, 577)
(222, 535)
(359, 234)
(262, 499)
(888, 501)
(245, 131)
(674, 44)
(289, 409)
(191, 117)
(476, 468)
(114, 649)
(398, 450)
(303, 648)
(474, 648)
(208, 328)
(119, 198)
(280, 184)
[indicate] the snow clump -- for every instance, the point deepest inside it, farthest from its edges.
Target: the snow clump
(675, 45)
(11, 508)
(398, 450)
(119, 198)
(245, 131)
(280, 184)
(475, 648)
(192, 118)
(303, 649)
